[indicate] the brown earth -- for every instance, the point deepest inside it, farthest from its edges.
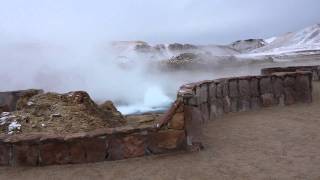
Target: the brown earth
(61, 113)
(272, 143)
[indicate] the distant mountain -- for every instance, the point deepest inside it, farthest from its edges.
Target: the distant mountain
(307, 39)
(303, 42)
(135, 50)
(248, 45)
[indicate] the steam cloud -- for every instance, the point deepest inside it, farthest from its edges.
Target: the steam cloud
(61, 45)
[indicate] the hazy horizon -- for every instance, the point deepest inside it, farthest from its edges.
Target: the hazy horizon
(185, 21)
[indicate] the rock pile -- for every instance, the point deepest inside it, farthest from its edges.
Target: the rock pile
(59, 113)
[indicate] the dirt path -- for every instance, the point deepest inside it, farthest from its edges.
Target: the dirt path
(273, 143)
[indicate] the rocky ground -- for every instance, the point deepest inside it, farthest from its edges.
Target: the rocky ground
(271, 143)
(59, 113)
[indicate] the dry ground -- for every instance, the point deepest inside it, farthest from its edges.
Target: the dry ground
(272, 143)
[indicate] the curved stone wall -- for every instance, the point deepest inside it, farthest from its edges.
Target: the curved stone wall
(178, 129)
(208, 100)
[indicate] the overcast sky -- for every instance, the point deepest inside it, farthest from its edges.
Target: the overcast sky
(194, 21)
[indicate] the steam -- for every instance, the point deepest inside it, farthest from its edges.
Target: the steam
(64, 46)
(92, 68)
(154, 100)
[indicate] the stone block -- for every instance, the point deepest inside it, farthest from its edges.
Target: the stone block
(315, 76)
(193, 125)
(204, 109)
(134, 146)
(76, 151)
(166, 140)
(25, 154)
(225, 88)
(213, 112)
(216, 109)
(244, 104)
(202, 93)
(96, 148)
(268, 100)
(254, 87)
(177, 121)
(54, 152)
(303, 88)
(281, 100)
(265, 85)
(212, 92)
(244, 88)
(4, 154)
(255, 103)
(289, 81)
(128, 146)
(219, 87)
(234, 105)
(289, 94)
(180, 108)
(233, 88)
(277, 86)
(219, 105)
(226, 104)
(192, 101)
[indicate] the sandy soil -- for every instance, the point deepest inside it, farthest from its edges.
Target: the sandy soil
(272, 143)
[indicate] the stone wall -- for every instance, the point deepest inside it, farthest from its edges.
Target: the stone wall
(99, 145)
(314, 69)
(179, 129)
(208, 100)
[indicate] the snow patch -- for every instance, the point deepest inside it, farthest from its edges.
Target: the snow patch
(270, 40)
(13, 126)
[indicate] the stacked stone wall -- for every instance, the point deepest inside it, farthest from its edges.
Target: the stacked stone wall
(179, 129)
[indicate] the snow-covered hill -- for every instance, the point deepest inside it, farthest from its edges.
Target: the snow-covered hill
(248, 45)
(300, 43)
(303, 41)
(128, 51)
